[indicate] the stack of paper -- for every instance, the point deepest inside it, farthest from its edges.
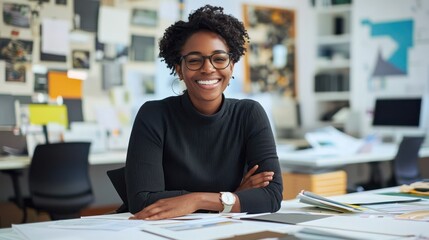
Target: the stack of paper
(321, 202)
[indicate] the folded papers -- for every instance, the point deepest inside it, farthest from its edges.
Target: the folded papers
(418, 188)
(322, 202)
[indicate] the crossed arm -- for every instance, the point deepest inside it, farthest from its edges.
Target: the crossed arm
(189, 203)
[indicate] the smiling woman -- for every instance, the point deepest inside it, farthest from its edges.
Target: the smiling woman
(202, 151)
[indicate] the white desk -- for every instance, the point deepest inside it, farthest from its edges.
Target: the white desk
(295, 160)
(352, 226)
(310, 160)
(322, 174)
(20, 162)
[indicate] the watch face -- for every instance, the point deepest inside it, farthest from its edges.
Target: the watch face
(228, 198)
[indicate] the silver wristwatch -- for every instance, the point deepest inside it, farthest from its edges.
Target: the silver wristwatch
(228, 200)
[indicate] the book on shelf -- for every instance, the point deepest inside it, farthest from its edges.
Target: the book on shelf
(331, 82)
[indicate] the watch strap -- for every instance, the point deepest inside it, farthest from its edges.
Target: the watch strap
(226, 207)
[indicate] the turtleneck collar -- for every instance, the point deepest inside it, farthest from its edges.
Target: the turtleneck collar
(197, 116)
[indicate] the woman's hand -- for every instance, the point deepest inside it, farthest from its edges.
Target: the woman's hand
(169, 208)
(255, 181)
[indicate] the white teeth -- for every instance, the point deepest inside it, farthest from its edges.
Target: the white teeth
(207, 82)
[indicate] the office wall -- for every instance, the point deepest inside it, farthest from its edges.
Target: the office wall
(305, 32)
(363, 56)
(390, 46)
(168, 13)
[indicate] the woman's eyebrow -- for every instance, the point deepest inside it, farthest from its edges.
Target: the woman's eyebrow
(215, 51)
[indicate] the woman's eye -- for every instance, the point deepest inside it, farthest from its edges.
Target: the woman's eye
(220, 59)
(194, 61)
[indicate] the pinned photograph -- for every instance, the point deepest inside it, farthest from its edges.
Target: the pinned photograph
(15, 77)
(41, 82)
(139, 83)
(17, 15)
(144, 17)
(15, 73)
(142, 48)
(61, 2)
(80, 59)
(16, 50)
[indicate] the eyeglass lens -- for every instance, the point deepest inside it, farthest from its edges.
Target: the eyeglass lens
(196, 61)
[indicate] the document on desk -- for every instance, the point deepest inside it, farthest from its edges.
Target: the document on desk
(372, 199)
(310, 198)
(288, 218)
(38, 231)
(212, 228)
(193, 216)
(97, 224)
(402, 228)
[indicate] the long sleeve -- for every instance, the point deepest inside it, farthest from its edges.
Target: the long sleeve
(261, 150)
(174, 150)
(144, 170)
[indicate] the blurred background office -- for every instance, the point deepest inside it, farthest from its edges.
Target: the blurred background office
(78, 70)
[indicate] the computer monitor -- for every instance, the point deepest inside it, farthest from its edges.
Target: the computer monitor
(396, 117)
(397, 112)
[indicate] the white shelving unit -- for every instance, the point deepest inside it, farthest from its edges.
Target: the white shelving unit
(332, 80)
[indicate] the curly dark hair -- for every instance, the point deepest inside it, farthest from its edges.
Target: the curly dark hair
(209, 18)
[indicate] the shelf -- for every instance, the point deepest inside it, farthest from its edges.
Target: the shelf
(334, 39)
(332, 96)
(332, 9)
(332, 64)
(323, 64)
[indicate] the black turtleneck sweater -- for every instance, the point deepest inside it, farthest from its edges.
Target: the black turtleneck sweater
(175, 150)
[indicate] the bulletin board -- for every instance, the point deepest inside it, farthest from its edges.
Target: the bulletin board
(270, 61)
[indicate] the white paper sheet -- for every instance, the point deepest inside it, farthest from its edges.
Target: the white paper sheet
(117, 216)
(215, 228)
(55, 36)
(113, 25)
(329, 138)
(403, 228)
(37, 231)
(319, 233)
(97, 224)
(370, 198)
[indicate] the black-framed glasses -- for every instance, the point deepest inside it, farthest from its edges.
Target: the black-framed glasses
(195, 61)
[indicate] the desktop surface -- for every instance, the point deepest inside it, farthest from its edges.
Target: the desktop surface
(310, 160)
(325, 225)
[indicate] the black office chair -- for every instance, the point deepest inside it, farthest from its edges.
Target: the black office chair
(117, 177)
(405, 165)
(59, 180)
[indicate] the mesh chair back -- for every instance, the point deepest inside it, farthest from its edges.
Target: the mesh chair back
(406, 162)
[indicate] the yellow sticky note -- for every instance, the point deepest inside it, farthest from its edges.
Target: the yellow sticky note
(42, 114)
